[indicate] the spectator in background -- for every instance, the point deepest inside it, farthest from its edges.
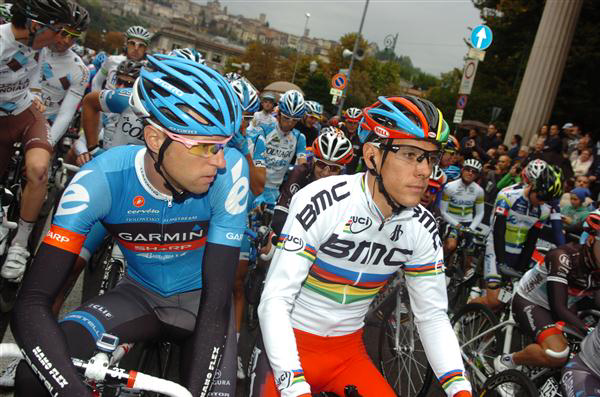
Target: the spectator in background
(576, 211)
(538, 150)
(502, 150)
(583, 142)
(553, 143)
(583, 162)
(522, 154)
(472, 134)
(490, 140)
(543, 133)
(581, 181)
(515, 145)
(492, 178)
(492, 153)
(573, 134)
(512, 177)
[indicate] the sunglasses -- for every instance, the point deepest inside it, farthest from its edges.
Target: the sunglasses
(67, 33)
(203, 148)
(471, 170)
(413, 154)
(287, 119)
(322, 165)
(125, 83)
(136, 44)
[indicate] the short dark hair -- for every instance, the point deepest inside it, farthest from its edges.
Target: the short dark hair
(19, 20)
(519, 138)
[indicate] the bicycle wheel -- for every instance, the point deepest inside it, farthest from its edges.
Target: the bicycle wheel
(511, 383)
(478, 351)
(402, 359)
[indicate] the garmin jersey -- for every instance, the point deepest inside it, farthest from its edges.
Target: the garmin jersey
(335, 252)
(19, 68)
(61, 74)
(459, 201)
(520, 215)
(108, 71)
(280, 150)
(128, 129)
(563, 265)
(590, 350)
(163, 241)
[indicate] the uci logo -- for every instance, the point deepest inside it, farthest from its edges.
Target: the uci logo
(292, 243)
(357, 224)
(138, 201)
(382, 132)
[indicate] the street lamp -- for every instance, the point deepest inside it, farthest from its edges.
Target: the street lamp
(298, 47)
(312, 66)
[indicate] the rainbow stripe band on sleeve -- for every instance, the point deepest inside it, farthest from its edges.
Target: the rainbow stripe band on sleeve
(428, 269)
(450, 377)
(298, 376)
(309, 252)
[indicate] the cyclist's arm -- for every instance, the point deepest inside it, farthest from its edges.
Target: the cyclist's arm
(501, 210)
(479, 210)
(33, 324)
(532, 237)
(559, 265)
(70, 103)
(257, 165)
(100, 77)
(90, 117)
(286, 274)
(444, 202)
(429, 303)
(556, 224)
(228, 200)
(289, 187)
(301, 149)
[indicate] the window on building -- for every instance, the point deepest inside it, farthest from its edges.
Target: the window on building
(175, 46)
(217, 58)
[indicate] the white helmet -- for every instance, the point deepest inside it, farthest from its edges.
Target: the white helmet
(534, 170)
(314, 108)
(188, 53)
(353, 114)
(292, 104)
(472, 163)
(247, 94)
(138, 32)
(334, 147)
(438, 175)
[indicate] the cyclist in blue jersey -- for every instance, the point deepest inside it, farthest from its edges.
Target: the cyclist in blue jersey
(449, 159)
(283, 142)
(177, 210)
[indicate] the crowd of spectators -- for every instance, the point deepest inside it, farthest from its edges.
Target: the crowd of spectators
(576, 152)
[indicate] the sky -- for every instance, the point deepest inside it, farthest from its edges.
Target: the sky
(431, 32)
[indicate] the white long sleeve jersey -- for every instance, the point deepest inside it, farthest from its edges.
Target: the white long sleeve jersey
(335, 253)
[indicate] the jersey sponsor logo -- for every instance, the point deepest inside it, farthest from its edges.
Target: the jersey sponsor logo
(167, 86)
(294, 188)
(132, 128)
(284, 379)
(64, 239)
(357, 224)
(381, 131)
(101, 309)
(138, 201)
(293, 243)
(75, 193)
(161, 237)
(319, 203)
(234, 236)
(17, 86)
(428, 221)
(396, 233)
(364, 252)
(237, 198)
(564, 265)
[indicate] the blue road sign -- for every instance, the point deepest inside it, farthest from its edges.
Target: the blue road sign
(481, 37)
(462, 102)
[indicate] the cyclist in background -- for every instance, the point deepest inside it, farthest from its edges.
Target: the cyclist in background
(265, 117)
(352, 117)
(64, 76)
(177, 210)
(325, 273)
(189, 53)
(519, 214)
(581, 375)
(450, 158)
(35, 24)
(309, 125)
(436, 183)
(137, 39)
(549, 292)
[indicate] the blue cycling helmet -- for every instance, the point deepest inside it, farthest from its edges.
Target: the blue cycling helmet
(188, 53)
(292, 104)
(99, 59)
(247, 94)
(314, 108)
(170, 89)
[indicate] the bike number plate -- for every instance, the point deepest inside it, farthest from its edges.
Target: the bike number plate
(504, 296)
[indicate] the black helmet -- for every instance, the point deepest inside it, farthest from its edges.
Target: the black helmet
(129, 68)
(548, 185)
(48, 12)
(80, 18)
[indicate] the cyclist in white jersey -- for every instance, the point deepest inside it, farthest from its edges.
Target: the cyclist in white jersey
(136, 43)
(459, 198)
(283, 142)
(64, 78)
(35, 24)
(264, 117)
(344, 237)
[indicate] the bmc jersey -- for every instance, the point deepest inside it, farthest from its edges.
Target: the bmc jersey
(128, 128)
(335, 252)
(459, 200)
(520, 215)
(563, 265)
(163, 241)
(19, 68)
(61, 74)
(280, 150)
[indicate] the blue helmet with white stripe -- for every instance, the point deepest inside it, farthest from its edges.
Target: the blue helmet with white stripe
(292, 104)
(186, 98)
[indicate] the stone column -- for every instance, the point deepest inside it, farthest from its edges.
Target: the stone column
(544, 68)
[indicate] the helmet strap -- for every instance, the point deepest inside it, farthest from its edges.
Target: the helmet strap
(178, 196)
(396, 207)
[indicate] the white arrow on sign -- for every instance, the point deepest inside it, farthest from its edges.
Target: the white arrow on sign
(480, 37)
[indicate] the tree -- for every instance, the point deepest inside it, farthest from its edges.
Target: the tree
(263, 60)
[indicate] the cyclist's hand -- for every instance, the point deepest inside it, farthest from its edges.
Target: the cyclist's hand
(38, 104)
(240, 142)
(83, 158)
(265, 249)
